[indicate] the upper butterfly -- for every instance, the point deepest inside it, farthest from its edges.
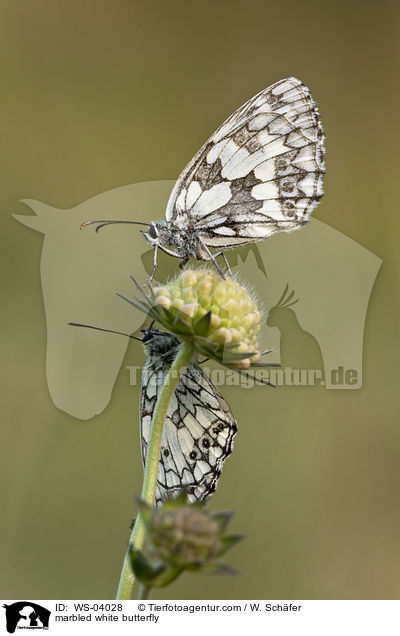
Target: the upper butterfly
(261, 172)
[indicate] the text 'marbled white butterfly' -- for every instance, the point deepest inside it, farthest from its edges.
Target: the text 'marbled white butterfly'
(261, 172)
(199, 426)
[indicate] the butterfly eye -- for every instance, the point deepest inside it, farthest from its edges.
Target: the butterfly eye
(193, 455)
(147, 336)
(153, 231)
(206, 443)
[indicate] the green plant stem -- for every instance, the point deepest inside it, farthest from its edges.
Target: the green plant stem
(144, 592)
(151, 470)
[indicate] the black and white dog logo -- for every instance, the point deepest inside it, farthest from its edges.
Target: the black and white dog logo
(26, 615)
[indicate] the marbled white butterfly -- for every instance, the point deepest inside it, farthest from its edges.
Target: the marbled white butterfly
(199, 427)
(261, 172)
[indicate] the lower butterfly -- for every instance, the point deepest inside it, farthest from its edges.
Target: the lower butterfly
(199, 427)
(261, 172)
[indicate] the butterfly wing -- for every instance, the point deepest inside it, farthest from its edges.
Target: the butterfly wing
(260, 172)
(198, 431)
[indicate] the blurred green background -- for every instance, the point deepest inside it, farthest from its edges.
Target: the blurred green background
(97, 95)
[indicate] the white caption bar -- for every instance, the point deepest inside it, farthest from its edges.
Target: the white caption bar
(279, 618)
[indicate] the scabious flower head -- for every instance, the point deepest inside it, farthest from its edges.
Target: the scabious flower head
(182, 537)
(185, 535)
(218, 315)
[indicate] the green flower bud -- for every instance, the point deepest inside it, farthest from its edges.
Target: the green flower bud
(222, 335)
(236, 335)
(218, 315)
(185, 536)
(215, 322)
(182, 536)
(220, 292)
(163, 301)
(189, 310)
(177, 303)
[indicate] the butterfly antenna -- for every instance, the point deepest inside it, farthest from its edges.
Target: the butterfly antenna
(101, 224)
(264, 353)
(119, 333)
(149, 328)
(261, 380)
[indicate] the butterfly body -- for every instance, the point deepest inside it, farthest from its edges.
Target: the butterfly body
(261, 172)
(181, 241)
(199, 427)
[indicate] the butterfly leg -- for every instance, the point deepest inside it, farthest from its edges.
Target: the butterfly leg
(221, 253)
(167, 353)
(183, 262)
(153, 271)
(213, 259)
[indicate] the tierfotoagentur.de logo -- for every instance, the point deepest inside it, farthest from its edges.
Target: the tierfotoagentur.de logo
(26, 615)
